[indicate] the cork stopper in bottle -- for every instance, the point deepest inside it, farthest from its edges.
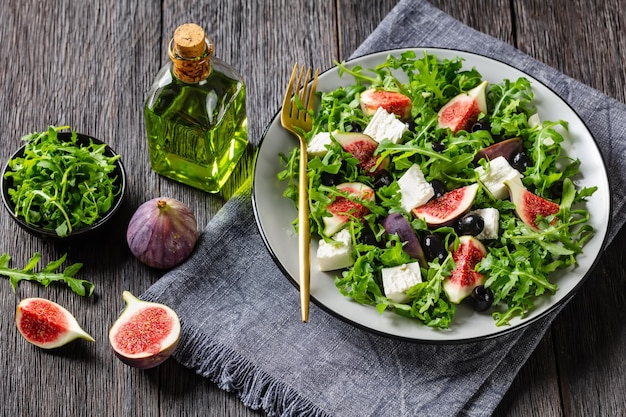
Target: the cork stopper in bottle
(189, 41)
(190, 51)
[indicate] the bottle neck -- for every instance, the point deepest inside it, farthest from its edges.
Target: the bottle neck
(191, 69)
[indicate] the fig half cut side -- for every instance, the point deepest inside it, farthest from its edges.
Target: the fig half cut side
(145, 334)
(46, 324)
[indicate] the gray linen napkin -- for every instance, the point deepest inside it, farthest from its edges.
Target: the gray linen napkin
(241, 327)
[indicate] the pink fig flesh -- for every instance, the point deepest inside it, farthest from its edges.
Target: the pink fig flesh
(162, 232)
(46, 324)
(464, 277)
(362, 147)
(529, 206)
(462, 111)
(446, 209)
(342, 209)
(145, 334)
(392, 101)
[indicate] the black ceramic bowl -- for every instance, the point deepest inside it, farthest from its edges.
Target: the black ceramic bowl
(119, 173)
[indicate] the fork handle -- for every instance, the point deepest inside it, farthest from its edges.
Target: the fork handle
(304, 234)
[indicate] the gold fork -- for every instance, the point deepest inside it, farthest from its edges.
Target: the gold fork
(299, 101)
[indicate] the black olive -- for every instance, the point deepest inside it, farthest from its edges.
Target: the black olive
(368, 237)
(470, 224)
(329, 179)
(557, 189)
(521, 161)
(383, 178)
(355, 127)
(482, 125)
(439, 187)
(482, 298)
(438, 147)
(434, 248)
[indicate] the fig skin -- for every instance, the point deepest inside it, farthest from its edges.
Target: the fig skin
(46, 324)
(162, 232)
(507, 148)
(395, 223)
(131, 326)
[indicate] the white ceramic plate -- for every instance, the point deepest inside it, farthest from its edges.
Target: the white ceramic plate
(275, 214)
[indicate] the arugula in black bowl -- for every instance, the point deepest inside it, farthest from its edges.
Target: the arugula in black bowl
(63, 184)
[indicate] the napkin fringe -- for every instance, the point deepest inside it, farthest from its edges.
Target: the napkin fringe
(233, 373)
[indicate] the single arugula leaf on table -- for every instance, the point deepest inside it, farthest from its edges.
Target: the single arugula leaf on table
(49, 274)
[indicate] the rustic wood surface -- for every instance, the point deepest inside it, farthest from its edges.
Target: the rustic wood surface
(89, 64)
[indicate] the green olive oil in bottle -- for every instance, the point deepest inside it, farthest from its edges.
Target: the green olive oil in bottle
(195, 114)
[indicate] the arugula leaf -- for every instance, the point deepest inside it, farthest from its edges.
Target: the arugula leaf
(50, 273)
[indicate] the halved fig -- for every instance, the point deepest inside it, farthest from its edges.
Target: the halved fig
(529, 206)
(462, 111)
(507, 148)
(342, 209)
(391, 101)
(444, 210)
(396, 223)
(46, 324)
(464, 277)
(145, 334)
(362, 147)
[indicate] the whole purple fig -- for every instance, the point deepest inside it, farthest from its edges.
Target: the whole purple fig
(162, 233)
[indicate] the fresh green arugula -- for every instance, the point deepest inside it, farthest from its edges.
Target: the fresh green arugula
(49, 274)
(520, 265)
(62, 185)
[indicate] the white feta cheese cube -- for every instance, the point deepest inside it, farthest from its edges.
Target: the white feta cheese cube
(385, 125)
(398, 280)
(414, 189)
(317, 144)
(337, 254)
(491, 216)
(498, 171)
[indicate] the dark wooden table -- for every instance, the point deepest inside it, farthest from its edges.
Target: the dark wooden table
(89, 64)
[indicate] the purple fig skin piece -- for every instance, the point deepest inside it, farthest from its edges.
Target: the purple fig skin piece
(507, 148)
(395, 223)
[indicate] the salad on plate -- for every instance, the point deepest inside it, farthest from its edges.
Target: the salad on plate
(429, 187)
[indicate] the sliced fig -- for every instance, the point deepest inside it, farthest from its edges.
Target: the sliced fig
(396, 223)
(464, 278)
(342, 209)
(46, 324)
(362, 147)
(391, 101)
(446, 209)
(145, 334)
(507, 148)
(462, 111)
(530, 206)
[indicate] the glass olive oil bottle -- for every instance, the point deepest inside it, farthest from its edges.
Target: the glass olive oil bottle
(195, 114)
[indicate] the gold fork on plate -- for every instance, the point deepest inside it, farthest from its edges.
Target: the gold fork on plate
(295, 117)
